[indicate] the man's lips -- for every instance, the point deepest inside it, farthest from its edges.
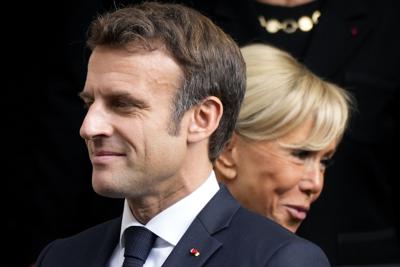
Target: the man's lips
(104, 156)
(107, 153)
(297, 212)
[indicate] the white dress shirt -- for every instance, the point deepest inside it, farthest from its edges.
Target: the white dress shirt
(169, 225)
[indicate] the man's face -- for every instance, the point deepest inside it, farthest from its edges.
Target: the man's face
(129, 99)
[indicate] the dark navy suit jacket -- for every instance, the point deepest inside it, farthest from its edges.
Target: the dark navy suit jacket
(225, 234)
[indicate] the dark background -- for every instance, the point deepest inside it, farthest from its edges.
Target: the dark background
(47, 170)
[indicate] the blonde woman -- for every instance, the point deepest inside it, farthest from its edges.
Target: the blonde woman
(289, 126)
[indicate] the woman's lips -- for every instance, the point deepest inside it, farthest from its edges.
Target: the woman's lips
(297, 212)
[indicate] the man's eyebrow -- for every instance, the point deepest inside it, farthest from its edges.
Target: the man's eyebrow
(120, 94)
(115, 96)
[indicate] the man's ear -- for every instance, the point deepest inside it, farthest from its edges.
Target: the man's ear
(205, 119)
(225, 165)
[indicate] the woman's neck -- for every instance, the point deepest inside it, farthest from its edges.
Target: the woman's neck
(288, 3)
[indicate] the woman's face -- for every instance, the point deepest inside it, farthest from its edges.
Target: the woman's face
(278, 182)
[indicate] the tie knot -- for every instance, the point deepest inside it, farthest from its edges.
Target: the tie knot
(138, 242)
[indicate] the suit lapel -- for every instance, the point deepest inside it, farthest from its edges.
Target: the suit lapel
(215, 217)
(102, 251)
(341, 30)
(197, 238)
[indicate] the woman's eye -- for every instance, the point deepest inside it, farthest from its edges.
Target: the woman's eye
(327, 162)
(301, 154)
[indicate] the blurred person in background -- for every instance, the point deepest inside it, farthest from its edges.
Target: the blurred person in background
(288, 129)
(351, 43)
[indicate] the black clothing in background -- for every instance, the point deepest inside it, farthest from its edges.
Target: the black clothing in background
(355, 45)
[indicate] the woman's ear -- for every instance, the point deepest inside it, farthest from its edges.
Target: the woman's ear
(225, 165)
(205, 119)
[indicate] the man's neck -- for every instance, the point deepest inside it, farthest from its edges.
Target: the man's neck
(145, 208)
(287, 3)
(189, 178)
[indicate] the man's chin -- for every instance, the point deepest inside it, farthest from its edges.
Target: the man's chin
(105, 188)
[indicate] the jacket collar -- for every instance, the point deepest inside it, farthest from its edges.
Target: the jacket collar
(109, 241)
(215, 217)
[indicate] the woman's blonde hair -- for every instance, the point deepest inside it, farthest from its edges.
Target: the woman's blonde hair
(282, 94)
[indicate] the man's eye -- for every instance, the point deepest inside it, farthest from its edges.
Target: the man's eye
(119, 103)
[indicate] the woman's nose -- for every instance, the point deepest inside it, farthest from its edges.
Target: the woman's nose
(313, 178)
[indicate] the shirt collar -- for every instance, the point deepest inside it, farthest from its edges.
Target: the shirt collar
(170, 224)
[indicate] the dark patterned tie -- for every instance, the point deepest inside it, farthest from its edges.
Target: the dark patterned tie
(138, 243)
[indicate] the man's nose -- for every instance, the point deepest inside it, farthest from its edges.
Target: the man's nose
(96, 123)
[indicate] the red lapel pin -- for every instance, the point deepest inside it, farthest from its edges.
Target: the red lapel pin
(194, 252)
